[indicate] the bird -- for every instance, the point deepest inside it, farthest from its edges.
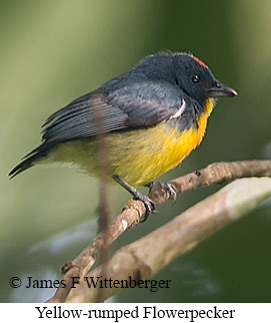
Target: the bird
(148, 120)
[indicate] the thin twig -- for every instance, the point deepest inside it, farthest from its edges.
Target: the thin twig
(142, 259)
(99, 121)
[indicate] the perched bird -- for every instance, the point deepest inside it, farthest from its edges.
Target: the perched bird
(148, 119)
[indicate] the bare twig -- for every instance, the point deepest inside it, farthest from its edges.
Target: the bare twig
(104, 220)
(134, 210)
(103, 164)
(216, 173)
(143, 258)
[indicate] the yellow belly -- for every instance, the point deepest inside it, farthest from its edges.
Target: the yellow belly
(138, 156)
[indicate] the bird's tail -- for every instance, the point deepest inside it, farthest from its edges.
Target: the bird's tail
(30, 159)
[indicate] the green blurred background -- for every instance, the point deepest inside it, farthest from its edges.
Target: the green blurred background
(54, 51)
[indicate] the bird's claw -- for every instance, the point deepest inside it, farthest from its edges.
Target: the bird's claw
(148, 203)
(170, 188)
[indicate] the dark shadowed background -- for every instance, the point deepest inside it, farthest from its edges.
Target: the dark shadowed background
(54, 51)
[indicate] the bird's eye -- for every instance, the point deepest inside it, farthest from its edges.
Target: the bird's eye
(195, 78)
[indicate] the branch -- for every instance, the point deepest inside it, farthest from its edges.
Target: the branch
(134, 210)
(216, 173)
(145, 257)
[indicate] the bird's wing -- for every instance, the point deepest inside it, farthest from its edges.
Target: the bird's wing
(137, 105)
(133, 106)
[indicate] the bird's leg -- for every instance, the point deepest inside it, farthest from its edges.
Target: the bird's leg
(170, 188)
(149, 204)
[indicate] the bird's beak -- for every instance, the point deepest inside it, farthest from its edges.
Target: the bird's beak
(220, 91)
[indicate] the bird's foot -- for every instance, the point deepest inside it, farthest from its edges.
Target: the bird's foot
(168, 187)
(148, 203)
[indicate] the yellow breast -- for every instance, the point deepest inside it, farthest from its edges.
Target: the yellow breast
(147, 154)
(138, 156)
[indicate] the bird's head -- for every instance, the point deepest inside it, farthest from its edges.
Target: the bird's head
(196, 79)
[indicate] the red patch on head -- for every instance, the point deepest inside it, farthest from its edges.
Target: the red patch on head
(199, 62)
